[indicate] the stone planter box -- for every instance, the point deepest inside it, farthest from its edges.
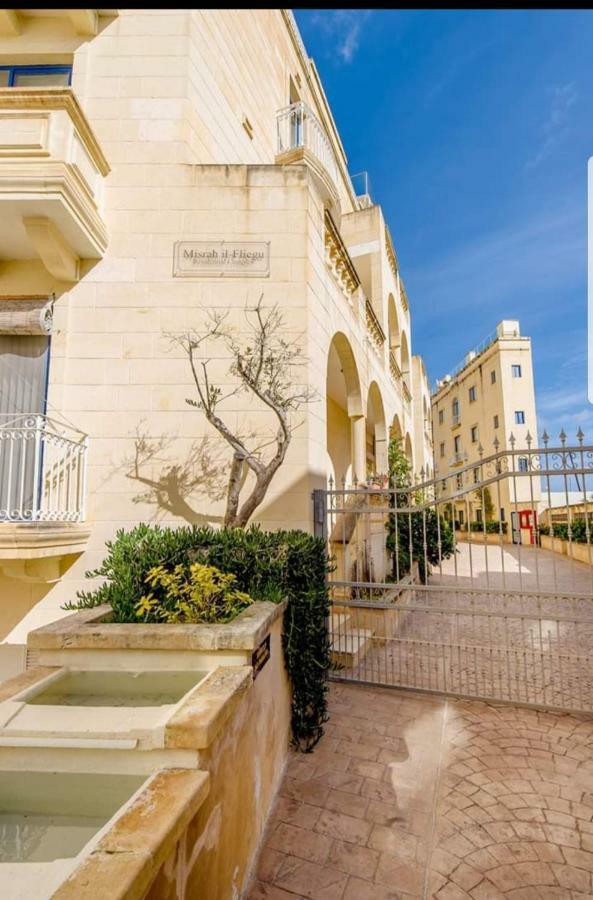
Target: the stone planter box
(581, 552)
(230, 733)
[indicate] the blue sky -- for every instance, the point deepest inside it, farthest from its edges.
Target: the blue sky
(475, 129)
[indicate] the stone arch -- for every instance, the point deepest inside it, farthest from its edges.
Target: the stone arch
(393, 329)
(407, 446)
(343, 409)
(395, 432)
(376, 432)
(405, 358)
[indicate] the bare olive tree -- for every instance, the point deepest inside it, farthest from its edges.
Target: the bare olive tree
(263, 365)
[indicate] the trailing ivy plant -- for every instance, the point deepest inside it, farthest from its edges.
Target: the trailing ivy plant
(273, 566)
(413, 536)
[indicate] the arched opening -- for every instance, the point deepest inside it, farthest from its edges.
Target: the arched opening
(408, 450)
(395, 432)
(393, 329)
(376, 433)
(344, 412)
(405, 359)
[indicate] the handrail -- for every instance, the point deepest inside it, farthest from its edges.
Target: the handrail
(42, 470)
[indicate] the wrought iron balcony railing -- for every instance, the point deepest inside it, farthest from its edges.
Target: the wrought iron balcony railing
(299, 129)
(42, 470)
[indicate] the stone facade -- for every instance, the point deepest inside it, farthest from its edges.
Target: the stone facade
(167, 143)
(488, 406)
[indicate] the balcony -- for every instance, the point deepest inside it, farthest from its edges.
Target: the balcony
(338, 259)
(301, 138)
(375, 332)
(394, 369)
(459, 457)
(407, 394)
(51, 178)
(42, 492)
(84, 22)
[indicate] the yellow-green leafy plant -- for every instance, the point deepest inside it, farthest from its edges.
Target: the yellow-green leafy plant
(190, 594)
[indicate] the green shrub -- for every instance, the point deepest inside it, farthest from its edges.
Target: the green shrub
(492, 527)
(277, 565)
(421, 529)
(192, 594)
(578, 530)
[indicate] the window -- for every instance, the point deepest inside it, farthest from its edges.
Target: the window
(523, 464)
(496, 421)
(472, 394)
(478, 515)
(519, 417)
(502, 518)
(516, 371)
(492, 377)
(455, 410)
(459, 481)
(474, 434)
(457, 443)
(443, 448)
(461, 517)
(476, 475)
(32, 76)
(441, 416)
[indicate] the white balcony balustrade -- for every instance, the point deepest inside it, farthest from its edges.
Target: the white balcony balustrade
(42, 470)
(299, 129)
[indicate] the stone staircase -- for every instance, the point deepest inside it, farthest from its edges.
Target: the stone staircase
(349, 645)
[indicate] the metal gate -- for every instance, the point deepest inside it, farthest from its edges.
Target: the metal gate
(429, 592)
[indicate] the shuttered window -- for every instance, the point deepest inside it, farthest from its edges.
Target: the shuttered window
(23, 393)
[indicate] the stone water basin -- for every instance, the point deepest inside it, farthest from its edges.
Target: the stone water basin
(47, 819)
(119, 709)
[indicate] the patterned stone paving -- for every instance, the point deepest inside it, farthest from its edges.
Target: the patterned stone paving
(409, 795)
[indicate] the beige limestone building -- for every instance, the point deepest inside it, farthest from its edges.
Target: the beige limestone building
(155, 166)
(423, 447)
(487, 405)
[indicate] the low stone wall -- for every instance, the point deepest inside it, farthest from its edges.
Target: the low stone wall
(462, 537)
(246, 762)
(581, 552)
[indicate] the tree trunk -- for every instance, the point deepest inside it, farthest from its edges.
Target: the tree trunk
(234, 490)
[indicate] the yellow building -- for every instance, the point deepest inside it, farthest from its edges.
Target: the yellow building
(487, 405)
(156, 165)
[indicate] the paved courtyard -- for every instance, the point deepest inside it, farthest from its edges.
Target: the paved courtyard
(410, 795)
(468, 635)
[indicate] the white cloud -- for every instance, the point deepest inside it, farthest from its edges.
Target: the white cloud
(343, 27)
(556, 126)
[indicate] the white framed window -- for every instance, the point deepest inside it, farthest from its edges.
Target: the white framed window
(441, 416)
(495, 421)
(516, 370)
(519, 417)
(492, 377)
(473, 394)
(522, 464)
(474, 434)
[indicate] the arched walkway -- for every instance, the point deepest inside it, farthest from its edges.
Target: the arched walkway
(376, 433)
(344, 413)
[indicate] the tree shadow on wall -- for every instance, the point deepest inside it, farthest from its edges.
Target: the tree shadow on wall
(169, 483)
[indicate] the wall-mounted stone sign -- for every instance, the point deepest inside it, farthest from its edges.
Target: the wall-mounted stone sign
(220, 259)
